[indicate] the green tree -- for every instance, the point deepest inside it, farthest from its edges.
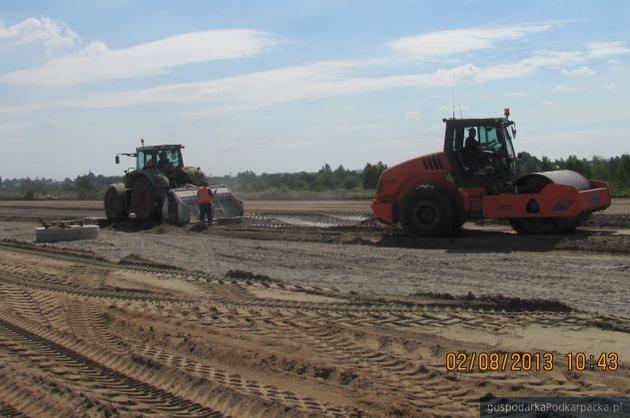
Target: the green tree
(370, 176)
(340, 174)
(31, 189)
(546, 164)
(528, 163)
(351, 182)
(68, 184)
(85, 187)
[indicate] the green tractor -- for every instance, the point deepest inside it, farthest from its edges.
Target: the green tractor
(161, 189)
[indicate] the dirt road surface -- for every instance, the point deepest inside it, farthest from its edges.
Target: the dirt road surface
(81, 335)
(617, 215)
(303, 310)
(619, 206)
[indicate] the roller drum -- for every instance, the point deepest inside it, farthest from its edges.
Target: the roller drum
(535, 182)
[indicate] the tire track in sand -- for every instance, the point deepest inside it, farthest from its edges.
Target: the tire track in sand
(39, 348)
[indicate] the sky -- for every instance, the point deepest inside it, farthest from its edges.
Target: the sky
(284, 85)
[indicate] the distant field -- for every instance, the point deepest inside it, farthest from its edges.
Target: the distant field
(52, 204)
(250, 205)
(620, 206)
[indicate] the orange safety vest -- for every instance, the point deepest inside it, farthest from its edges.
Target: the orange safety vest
(203, 195)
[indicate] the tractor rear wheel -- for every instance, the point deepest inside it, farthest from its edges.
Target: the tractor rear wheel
(428, 213)
(146, 201)
(116, 203)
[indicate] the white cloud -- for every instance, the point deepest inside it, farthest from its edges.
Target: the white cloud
(94, 49)
(250, 91)
(517, 94)
(564, 89)
(49, 123)
(23, 108)
(44, 30)
(547, 103)
(310, 81)
(529, 66)
(449, 110)
(450, 42)
(611, 87)
(97, 62)
(10, 127)
(579, 72)
(414, 115)
(606, 49)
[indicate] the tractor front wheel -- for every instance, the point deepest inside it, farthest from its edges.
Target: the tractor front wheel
(428, 213)
(116, 203)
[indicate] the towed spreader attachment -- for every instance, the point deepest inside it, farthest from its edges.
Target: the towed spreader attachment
(181, 205)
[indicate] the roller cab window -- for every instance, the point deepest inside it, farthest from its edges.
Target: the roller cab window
(489, 140)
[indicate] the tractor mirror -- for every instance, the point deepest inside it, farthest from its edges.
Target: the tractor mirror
(117, 159)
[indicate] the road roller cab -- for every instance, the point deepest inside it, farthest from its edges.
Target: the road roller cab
(480, 152)
(476, 176)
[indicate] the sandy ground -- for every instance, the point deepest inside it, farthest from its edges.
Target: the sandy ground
(252, 205)
(481, 261)
(284, 316)
(619, 206)
(83, 336)
(67, 209)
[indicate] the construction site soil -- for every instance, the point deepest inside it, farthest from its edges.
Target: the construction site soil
(302, 309)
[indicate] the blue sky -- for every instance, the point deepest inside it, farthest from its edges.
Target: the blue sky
(276, 86)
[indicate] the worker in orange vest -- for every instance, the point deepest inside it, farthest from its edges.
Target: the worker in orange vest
(205, 196)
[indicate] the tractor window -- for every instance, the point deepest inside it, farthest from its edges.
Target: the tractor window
(173, 157)
(167, 159)
(149, 161)
(140, 161)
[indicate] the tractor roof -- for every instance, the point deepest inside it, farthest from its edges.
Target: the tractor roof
(477, 122)
(159, 147)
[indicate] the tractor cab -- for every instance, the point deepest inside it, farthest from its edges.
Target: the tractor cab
(157, 161)
(481, 152)
(165, 158)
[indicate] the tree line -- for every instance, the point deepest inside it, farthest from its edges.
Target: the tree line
(91, 186)
(88, 186)
(324, 179)
(615, 171)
